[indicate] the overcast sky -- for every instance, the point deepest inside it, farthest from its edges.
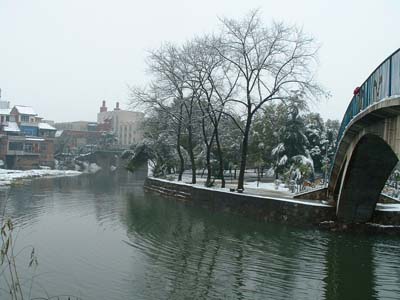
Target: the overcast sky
(63, 57)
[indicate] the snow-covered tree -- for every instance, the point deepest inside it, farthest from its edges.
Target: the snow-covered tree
(272, 61)
(316, 136)
(233, 99)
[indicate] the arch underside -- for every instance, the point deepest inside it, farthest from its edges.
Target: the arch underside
(370, 165)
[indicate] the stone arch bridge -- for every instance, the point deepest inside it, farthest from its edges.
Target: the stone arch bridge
(368, 146)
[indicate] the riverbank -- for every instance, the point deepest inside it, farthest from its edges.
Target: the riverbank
(266, 205)
(8, 177)
(258, 207)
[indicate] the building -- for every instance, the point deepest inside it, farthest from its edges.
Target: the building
(76, 126)
(26, 142)
(76, 137)
(125, 125)
(76, 141)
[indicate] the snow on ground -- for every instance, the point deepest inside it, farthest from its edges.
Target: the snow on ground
(268, 196)
(387, 207)
(91, 168)
(266, 186)
(86, 167)
(8, 176)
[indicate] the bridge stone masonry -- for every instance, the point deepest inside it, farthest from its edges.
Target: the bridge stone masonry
(368, 145)
(366, 155)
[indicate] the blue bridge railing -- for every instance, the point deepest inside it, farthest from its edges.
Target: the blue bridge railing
(382, 83)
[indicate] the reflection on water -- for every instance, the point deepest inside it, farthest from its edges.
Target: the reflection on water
(101, 237)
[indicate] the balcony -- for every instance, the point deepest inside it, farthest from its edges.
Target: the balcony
(21, 145)
(21, 152)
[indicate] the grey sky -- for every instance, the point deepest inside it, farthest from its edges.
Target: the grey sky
(64, 57)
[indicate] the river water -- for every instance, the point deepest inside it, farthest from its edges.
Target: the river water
(101, 237)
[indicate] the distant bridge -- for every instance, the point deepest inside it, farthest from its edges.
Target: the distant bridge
(368, 146)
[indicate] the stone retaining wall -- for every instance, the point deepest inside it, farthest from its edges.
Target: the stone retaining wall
(317, 194)
(255, 207)
(386, 217)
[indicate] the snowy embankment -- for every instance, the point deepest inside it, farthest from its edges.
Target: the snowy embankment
(269, 186)
(251, 187)
(7, 177)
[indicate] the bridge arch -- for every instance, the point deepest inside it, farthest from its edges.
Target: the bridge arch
(368, 145)
(363, 178)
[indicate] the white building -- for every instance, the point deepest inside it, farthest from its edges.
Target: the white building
(124, 124)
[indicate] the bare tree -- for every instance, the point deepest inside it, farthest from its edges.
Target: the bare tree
(272, 61)
(150, 99)
(173, 91)
(214, 85)
(189, 97)
(165, 92)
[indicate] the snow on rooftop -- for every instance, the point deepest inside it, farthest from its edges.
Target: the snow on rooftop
(46, 126)
(5, 111)
(11, 127)
(34, 139)
(59, 133)
(25, 110)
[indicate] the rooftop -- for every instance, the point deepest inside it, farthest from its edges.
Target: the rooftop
(12, 127)
(5, 111)
(46, 126)
(25, 110)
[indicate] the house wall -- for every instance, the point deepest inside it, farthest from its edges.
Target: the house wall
(47, 153)
(26, 162)
(76, 126)
(30, 130)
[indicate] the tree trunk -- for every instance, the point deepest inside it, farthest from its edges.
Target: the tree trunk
(178, 149)
(208, 164)
(181, 160)
(208, 146)
(243, 160)
(191, 154)
(220, 158)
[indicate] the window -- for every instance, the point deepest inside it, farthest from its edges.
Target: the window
(25, 118)
(28, 147)
(15, 146)
(28, 130)
(43, 147)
